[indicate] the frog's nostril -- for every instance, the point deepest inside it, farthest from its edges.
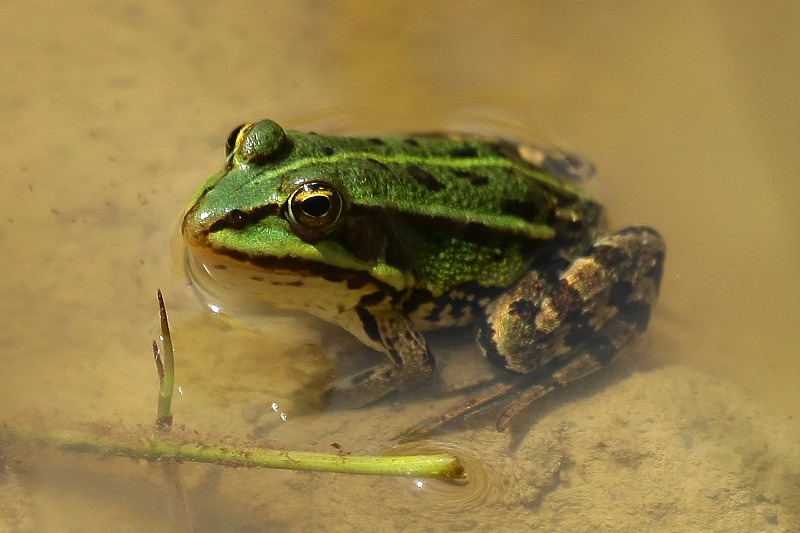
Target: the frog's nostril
(236, 219)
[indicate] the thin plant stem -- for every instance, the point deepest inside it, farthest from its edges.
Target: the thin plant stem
(166, 370)
(441, 466)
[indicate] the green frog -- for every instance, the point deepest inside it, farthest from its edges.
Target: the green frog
(393, 235)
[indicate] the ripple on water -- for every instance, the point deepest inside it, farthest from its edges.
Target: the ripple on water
(435, 496)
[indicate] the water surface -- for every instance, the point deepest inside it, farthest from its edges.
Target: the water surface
(114, 114)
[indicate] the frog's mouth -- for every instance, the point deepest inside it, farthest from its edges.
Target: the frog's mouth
(294, 267)
(237, 280)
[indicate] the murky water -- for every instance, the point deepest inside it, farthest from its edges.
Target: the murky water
(114, 115)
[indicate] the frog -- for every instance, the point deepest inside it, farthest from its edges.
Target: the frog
(391, 236)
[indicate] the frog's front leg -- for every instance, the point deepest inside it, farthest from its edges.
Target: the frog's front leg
(566, 328)
(410, 361)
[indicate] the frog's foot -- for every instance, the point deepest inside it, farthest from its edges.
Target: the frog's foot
(532, 390)
(575, 369)
(410, 361)
(484, 398)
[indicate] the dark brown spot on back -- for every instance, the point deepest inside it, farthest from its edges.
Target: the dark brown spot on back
(379, 163)
(465, 151)
(424, 178)
(474, 179)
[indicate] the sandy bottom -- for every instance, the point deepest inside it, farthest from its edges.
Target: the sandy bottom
(666, 449)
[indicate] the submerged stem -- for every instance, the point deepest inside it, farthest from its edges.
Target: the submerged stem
(442, 466)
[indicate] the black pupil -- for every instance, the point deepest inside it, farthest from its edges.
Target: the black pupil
(316, 206)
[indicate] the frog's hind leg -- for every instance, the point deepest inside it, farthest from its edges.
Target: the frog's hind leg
(559, 329)
(567, 329)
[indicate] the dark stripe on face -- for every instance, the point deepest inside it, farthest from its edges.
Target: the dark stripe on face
(238, 219)
(355, 279)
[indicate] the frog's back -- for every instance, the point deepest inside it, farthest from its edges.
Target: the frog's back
(501, 185)
(465, 216)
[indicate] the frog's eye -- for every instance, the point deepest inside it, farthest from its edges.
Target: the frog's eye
(230, 143)
(314, 206)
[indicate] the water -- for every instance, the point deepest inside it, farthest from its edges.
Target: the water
(114, 115)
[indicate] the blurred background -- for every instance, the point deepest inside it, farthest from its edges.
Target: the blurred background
(114, 113)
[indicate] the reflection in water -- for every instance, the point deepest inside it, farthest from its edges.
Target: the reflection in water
(480, 488)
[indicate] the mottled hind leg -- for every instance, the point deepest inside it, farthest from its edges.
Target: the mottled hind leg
(559, 329)
(576, 325)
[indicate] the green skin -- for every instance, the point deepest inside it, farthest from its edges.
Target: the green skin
(389, 236)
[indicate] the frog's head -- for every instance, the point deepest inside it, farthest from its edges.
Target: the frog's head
(278, 207)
